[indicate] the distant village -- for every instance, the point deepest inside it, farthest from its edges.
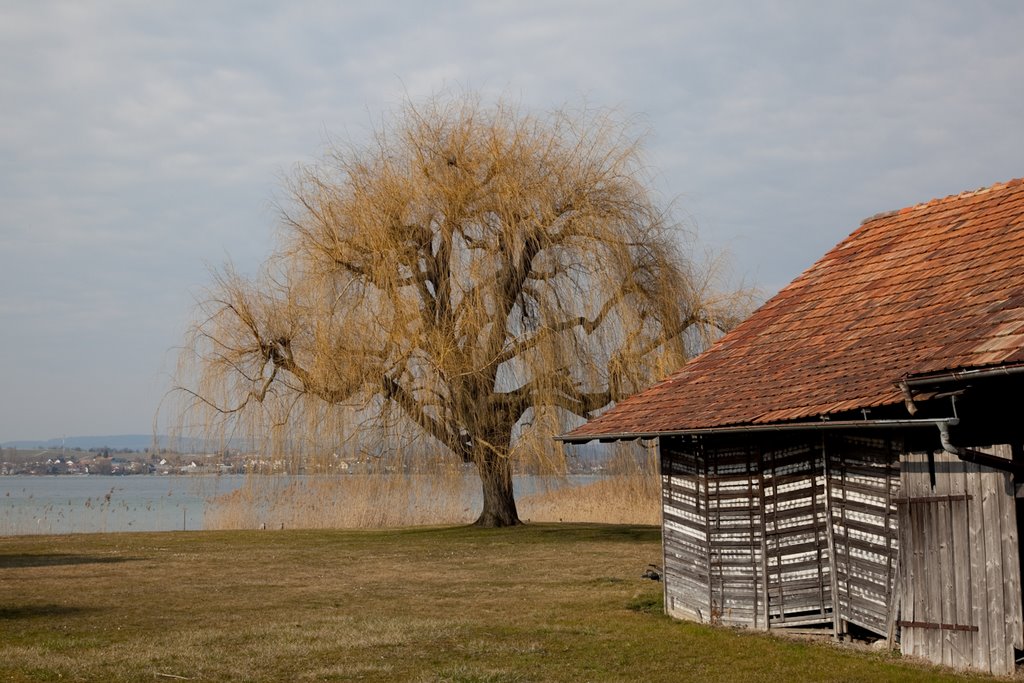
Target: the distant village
(108, 461)
(125, 461)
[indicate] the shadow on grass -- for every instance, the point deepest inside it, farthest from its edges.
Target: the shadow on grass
(550, 532)
(10, 613)
(625, 533)
(56, 560)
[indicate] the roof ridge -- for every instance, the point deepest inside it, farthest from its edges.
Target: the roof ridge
(939, 200)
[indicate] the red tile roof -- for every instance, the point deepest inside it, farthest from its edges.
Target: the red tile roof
(933, 287)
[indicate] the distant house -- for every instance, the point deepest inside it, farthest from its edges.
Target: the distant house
(851, 454)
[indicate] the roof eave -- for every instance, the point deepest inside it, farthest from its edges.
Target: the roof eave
(779, 427)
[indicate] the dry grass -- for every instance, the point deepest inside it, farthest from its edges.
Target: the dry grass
(395, 500)
(531, 603)
(632, 498)
(344, 502)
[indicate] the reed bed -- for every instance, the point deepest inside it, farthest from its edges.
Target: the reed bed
(370, 501)
(389, 500)
(629, 498)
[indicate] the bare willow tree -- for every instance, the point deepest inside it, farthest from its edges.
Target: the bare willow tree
(477, 275)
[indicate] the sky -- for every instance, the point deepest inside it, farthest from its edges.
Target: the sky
(142, 144)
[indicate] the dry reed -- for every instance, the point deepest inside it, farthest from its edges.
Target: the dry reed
(629, 498)
(398, 500)
(355, 501)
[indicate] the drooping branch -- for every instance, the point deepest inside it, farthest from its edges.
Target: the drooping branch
(482, 273)
(414, 410)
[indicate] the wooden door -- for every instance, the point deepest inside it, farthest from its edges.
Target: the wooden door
(960, 572)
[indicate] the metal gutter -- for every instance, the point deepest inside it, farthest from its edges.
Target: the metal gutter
(785, 427)
(962, 375)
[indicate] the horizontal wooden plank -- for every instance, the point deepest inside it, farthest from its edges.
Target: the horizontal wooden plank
(864, 584)
(867, 546)
(684, 505)
(772, 497)
(867, 470)
(779, 547)
(878, 529)
(879, 491)
(808, 456)
(796, 585)
(779, 621)
(683, 521)
(930, 625)
(913, 500)
(873, 508)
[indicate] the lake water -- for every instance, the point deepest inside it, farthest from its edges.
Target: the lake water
(90, 504)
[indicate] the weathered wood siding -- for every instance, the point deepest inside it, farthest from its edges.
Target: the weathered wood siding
(863, 484)
(960, 596)
(796, 535)
(713, 538)
(745, 534)
(844, 527)
(685, 534)
(782, 534)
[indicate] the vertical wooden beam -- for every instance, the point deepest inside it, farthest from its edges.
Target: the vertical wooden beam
(893, 587)
(1009, 560)
(749, 464)
(837, 612)
(848, 568)
(979, 579)
(946, 566)
(666, 497)
(764, 543)
(962, 642)
(707, 532)
(778, 547)
(991, 492)
(911, 553)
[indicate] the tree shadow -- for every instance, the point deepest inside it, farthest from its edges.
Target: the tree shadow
(625, 533)
(12, 612)
(56, 560)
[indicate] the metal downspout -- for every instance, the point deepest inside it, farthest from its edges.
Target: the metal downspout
(977, 457)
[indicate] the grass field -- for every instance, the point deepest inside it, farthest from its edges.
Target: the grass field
(534, 603)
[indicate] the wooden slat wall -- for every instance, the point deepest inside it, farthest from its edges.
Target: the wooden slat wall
(712, 536)
(863, 486)
(735, 520)
(684, 532)
(796, 535)
(960, 597)
(734, 516)
(747, 535)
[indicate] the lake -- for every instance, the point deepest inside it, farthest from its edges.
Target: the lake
(90, 504)
(93, 504)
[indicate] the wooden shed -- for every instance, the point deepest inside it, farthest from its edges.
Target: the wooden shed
(850, 455)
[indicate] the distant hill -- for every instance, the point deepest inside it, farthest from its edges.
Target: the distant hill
(135, 442)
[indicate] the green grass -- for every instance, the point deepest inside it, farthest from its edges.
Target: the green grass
(535, 603)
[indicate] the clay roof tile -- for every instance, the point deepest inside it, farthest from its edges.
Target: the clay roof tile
(931, 287)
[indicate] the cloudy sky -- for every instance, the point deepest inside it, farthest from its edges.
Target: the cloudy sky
(141, 143)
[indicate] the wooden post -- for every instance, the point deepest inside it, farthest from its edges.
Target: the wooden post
(764, 543)
(712, 618)
(753, 540)
(837, 625)
(666, 489)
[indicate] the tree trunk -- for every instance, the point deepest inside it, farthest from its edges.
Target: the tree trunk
(499, 502)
